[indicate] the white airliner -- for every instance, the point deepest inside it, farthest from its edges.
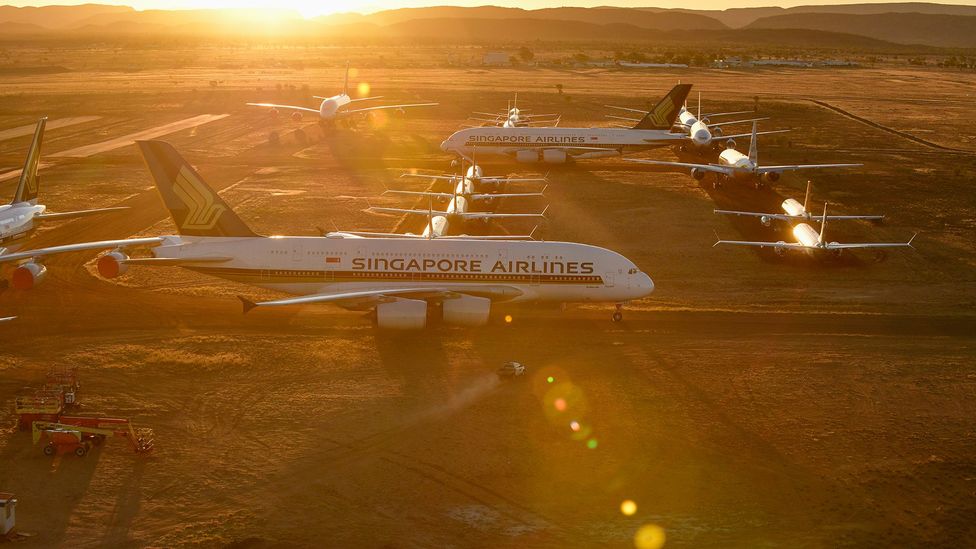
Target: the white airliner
(19, 218)
(798, 212)
(559, 145)
(514, 117)
(334, 108)
(703, 136)
(734, 165)
(398, 278)
(810, 241)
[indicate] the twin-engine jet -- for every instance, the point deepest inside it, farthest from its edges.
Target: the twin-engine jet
(702, 136)
(399, 279)
(337, 107)
(794, 211)
(514, 117)
(557, 145)
(732, 164)
(810, 241)
(19, 218)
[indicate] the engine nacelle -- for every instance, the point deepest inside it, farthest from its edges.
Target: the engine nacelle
(553, 156)
(766, 220)
(770, 177)
(296, 116)
(527, 156)
(467, 311)
(402, 314)
(780, 248)
(836, 252)
(698, 174)
(730, 143)
(28, 275)
(716, 131)
(112, 264)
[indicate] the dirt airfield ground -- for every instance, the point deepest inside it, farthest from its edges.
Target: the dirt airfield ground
(751, 400)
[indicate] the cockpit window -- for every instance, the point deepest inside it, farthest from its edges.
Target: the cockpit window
(633, 271)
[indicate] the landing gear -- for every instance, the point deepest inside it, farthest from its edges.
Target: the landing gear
(719, 181)
(760, 185)
(618, 315)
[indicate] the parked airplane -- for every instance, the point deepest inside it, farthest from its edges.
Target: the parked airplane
(735, 165)
(19, 218)
(514, 117)
(796, 211)
(560, 145)
(397, 278)
(703, 136)
(810, 241)
(334, 108)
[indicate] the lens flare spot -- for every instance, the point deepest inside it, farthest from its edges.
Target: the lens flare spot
(363, 89)
(508, 320)
(550, 379)
(560, 404)
(628, 507)
(591, 444)
(575, 426)
(649, 536)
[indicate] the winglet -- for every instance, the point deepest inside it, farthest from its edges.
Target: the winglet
(247, 303)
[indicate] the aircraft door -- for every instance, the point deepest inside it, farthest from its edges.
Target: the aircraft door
(297, 250)
(608, 279)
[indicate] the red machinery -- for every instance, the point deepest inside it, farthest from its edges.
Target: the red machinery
(60, 392)
(78, 434)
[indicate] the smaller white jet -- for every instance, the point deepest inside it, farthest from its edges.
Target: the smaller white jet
(19, 218)
(794, 211)
(515, 117)
(812, 242)
(732, 164)
(335, 107)
(704, 136)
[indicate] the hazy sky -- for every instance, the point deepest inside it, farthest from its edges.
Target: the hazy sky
(312, 7)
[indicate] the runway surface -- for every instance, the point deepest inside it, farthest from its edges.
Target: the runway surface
(119, 142)
(28, 129)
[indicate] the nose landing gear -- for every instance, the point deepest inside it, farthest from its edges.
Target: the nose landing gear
(618, 314)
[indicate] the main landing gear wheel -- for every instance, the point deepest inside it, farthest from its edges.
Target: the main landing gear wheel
(49, 450)
(618, 315)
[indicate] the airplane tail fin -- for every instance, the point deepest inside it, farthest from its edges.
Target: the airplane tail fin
(662, 116)
(806, 199)
(753, 147)
(196, 209)
(28, 185)
(823, 224)
(345, 83)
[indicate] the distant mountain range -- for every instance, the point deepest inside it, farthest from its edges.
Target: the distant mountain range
(872, 26)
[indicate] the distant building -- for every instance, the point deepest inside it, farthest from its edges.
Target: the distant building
(781, 63)
(495, 58)
(7, 518)
(653, 65)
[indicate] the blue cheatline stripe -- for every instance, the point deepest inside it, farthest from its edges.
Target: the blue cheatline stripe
(316, 276)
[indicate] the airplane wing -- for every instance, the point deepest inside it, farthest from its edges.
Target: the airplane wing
(782, 217)
(793, 245)
(366, 295)
(292, 107)
(447, 177)
(100, 245)
(7, 318)
(788, 168)
(718, 124)
(706, 167)
(481, 196)
(726, 113)
(859, 245)
(462, 215)
(420, 193)
(641, 111)
(383, 107)
(842, 217)
(738, 135)
(80, 213)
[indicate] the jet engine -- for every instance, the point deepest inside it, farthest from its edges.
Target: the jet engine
(296, 116)
(526, 156)
(698, 174)
(780, 248)
(765, 220)
(402, 314)
(112, 264)
(716, 131)
(467, 311)
(730, 143)
(28, 275)
(836, 252)
(273, 113)
(770, 177)
(553, 156)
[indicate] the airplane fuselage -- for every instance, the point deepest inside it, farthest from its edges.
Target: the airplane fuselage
(549, 144)
(17, 222)
(511, 271)
(741, 166)
(330, 106)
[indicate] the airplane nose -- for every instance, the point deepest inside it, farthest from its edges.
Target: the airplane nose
(644, 284)
(702, 136)
(444, 145)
